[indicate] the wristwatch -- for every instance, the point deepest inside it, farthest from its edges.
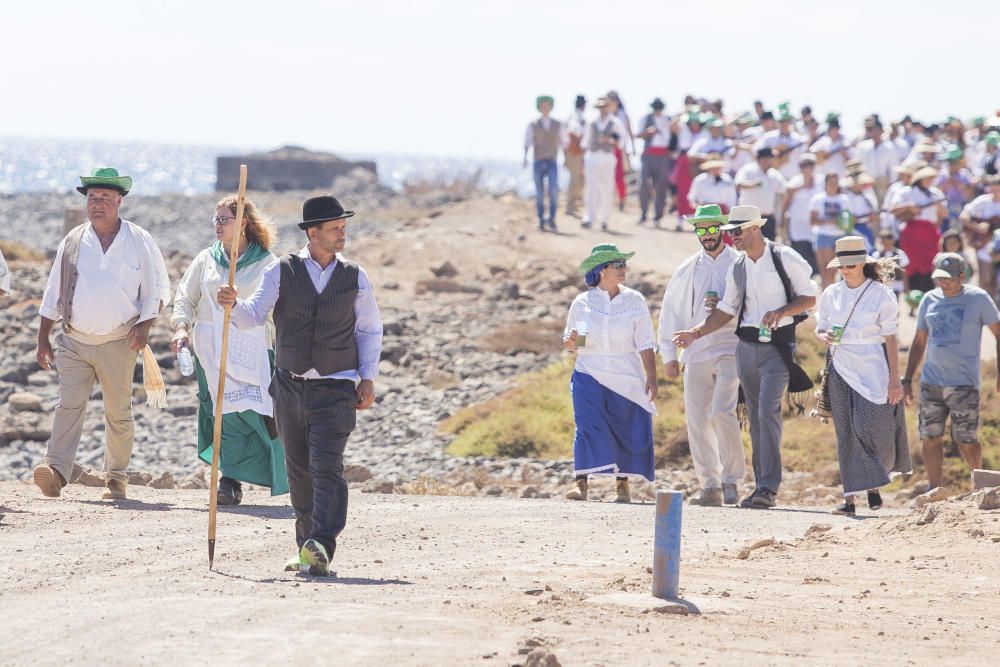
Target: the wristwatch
(906, 380)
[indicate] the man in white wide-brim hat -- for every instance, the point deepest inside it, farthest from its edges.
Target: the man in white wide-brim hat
(768, 290)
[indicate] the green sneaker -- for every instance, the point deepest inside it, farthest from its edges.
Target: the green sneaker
(313, 554)
(294, 564)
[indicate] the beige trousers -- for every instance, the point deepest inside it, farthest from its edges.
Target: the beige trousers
(79, 364)
(574, 195)
(711, 389)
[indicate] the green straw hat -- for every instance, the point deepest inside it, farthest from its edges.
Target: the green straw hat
(602, 254)
(784, 112)
(993, 138)
(953, 153)
(105, 177)
(708, 213)
(543, 98)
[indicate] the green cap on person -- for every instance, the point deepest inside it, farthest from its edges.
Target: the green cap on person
(603, 253)
(544, 98)
(784, 112)
(993, 138)
(708, 213)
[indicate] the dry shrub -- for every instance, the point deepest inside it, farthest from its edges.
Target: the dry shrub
(537, 337)
(17, 251)
(427, 486)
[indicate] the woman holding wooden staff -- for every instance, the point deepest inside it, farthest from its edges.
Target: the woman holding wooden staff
(251, 451)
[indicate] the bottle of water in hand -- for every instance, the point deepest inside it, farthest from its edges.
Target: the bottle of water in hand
(185, 361)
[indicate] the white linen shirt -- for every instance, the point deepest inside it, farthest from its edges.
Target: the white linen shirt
(767, 187)
(764, 289)
(661, 123)
(836, 163)
(107, 289)
(707, 189)
(368, 322)
(792, 145)
(617, 331)
(859, 358)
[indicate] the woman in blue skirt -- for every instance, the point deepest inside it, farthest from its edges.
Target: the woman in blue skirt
(614, 380)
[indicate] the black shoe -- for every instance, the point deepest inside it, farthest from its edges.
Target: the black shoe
(552, 225)
(847, 509)
(763, 500)
(230, 492)
(642, 219)
(586, 224)
(748, 501)
(604, 226)
(874, 500)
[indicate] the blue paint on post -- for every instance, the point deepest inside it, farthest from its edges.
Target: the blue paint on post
(667, 544)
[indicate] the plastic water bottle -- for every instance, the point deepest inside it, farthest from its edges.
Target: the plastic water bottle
(185, 361)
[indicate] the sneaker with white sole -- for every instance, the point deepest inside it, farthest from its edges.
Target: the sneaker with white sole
(313, 555)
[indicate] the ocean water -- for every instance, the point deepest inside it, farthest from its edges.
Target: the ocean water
(54, 165)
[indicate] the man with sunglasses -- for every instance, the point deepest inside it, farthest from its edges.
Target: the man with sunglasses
(768, 290)
(711, 383)
(107, 286)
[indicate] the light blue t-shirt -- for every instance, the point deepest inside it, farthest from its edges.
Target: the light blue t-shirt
(955, 330)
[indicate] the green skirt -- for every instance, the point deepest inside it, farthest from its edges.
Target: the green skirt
(248, 454)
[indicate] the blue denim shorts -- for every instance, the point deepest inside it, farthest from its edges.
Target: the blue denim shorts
(827, 241)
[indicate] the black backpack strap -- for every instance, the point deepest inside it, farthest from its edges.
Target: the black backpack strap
(786, 282)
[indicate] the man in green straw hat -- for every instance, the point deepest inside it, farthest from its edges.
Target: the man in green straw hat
(107, 286)
(544, 136)
(711, 383)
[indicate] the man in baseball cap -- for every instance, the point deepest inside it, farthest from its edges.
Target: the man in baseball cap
(949, 328)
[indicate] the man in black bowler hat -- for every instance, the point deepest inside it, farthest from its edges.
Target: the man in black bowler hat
(328, 342)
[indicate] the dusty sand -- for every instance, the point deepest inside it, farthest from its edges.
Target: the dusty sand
(459, 581)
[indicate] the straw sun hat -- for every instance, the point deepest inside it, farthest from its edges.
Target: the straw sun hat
(850, 250)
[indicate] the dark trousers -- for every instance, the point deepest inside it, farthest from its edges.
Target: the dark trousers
(805, 248)
(654, 181)
(315, 418)
(770, 227)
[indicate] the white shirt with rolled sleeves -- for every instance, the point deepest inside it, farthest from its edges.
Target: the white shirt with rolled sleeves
(792, 146)
(617, 331)
(836, 162)
(253, 312)
(683, 307)
(859, 359)
(764, 289)
(799, 213)
(111, 286)
(765, 190)
(708, 189)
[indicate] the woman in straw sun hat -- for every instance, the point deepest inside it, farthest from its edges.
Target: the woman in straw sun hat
(614, 378)
(858, 317)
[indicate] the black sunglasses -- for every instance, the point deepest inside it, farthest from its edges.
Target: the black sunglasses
(701, 231)
(617, 264)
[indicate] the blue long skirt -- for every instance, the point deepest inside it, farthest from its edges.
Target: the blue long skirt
(614, 436)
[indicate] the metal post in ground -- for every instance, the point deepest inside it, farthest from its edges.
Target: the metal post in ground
(667, 544)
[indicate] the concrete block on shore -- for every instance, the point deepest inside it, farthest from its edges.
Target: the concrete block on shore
(984, 479)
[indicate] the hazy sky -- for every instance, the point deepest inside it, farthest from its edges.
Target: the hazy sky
(459, 77)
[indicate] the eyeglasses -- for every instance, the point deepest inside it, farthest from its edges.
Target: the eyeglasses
(222, 221)
(618, 264)
(701, 231)
(736, 233)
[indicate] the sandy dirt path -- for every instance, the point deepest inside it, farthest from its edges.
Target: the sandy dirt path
(465, 581)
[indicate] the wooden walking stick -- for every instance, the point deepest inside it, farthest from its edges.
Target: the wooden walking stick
(213, 499)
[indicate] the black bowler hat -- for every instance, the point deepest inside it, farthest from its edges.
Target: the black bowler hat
(324, 208)
(581, 101)
(657, 104)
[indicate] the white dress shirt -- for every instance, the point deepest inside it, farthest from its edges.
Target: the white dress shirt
(661, 139)
(617, 331)
(708, 144)
(859, 358)
(113, 288)
(764, 289)
(709, 189)
(835, 163)
(765, 190)
(368, 321)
